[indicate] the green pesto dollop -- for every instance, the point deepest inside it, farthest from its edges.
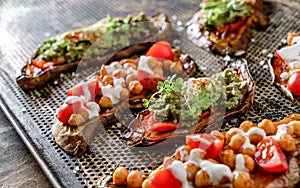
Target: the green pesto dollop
(178, 101)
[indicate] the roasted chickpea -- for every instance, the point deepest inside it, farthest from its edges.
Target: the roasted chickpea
(296, 126)
(103, 70)
(256, 135)
(134, 179)
(154, 63)
(248, 151)
(241, 179)
(217, 133)
(84, 113)
(129, 78)
(176, 67)
(167, 64)
(268, 126)
(227, 157)
(146, 184)
(159, 71)
(202, 179)
(105, 102)
(120, 175)
(108, 79)
(75, 120)
(182, 153)
(124, 94)
(191, 170)
(246, 125)
(236, 142)
(230, 133)
(197, 153)
(128, 65)
(287, 143)
(249, 163)
(119, 73)
(135, 87)
(168, 161)
(290, 38)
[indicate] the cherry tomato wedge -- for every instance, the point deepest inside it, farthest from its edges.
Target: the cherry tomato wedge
(147, 80)
(270, 157)
(93, 87)
(210, 143)
(161, 50)
(165, 179)
(66, 110)
(42, 64)
(294, 83)
(163, 126)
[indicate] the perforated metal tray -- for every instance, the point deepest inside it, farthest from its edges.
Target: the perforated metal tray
(32, 113)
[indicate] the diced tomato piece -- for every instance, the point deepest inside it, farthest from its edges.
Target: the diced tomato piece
(163, 126)
(75, 91)
(66, 110)
(294, 83)
(93, 87)
(165, 179)
(210, 143)
(147, 80)
(270, 157)
(161, 50)
(42, 64)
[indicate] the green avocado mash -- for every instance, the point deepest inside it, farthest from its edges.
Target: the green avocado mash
(179, 101)
(221, 12)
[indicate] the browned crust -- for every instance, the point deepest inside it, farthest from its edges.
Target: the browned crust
(28, 82)
(135, 136)
(276, 68)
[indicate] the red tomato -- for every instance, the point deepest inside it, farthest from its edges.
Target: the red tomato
(165, 179)
(294, 83)
(230, 27)
(161, 50)
(93, 87)
(279, 57)
(147, 80)
(270, 157)
(210, 143)
(163, 126)
(42, 64)
(66, 110)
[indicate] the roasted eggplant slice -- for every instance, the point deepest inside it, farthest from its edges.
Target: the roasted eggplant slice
(116, 89)
(185, 107)
(285, 68)
(65, 52)
(225, 26)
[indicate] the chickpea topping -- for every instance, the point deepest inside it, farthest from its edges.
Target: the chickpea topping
(129, 78)
(105, 102)
(290, 38)
(228, 158)
(217, 133)
(202, 179)
(124, 94)
(146, 184)
(120, 175)
(153, 63)
(191, 170)
(199, 153)
(287, 143)
(167, 64)
(246, 125)
(296, 126)
(249, 163)
(182, 153)
(268, 126)
(255, 138)
(229, 134)
(176, 67)
(128, 65)
(119, 73)
(241, 179)
(103, 70)
(159, 71)
(168, 161)
(84, 113)
(236, 142)
(108, 79)
(135, 87)
(134, 179)
(290, 130)
(75, 120)
(248, 151)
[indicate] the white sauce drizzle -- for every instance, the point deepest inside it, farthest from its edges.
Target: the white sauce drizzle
(178, 170)
(131, 70)
(184, 155)
(281, 130)
(216, 171)
(240, 163)
(291, 53)
(73, 99)
(256, 130)
(194, 157)
(143, 64)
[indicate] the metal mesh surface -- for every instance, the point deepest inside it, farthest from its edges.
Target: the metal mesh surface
(24, 24)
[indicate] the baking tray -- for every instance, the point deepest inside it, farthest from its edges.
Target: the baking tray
(26, 24)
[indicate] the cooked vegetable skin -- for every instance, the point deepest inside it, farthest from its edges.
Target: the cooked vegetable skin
(95, 104)
(283, 69)
(140, 131)
(225, 27)
(236, 163)
(67, 51)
